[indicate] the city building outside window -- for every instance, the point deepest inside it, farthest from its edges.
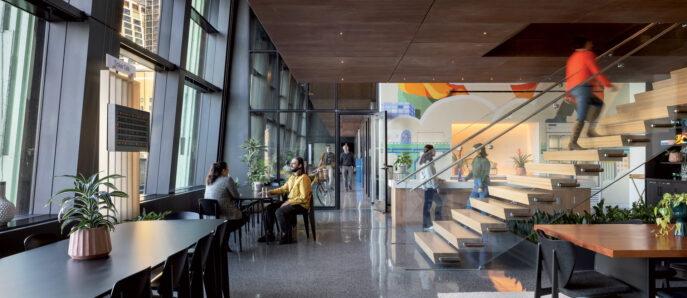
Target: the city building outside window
(189, 134)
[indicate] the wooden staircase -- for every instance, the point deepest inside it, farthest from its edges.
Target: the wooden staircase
(543, 187)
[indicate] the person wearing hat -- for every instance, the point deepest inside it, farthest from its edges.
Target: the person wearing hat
(480, 173)
(430, 188)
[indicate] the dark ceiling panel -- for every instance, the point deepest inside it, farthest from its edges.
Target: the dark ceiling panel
(445, 40)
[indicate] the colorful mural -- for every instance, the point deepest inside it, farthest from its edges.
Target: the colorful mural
(415, 98)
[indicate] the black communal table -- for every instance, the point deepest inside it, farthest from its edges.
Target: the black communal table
(48, 271)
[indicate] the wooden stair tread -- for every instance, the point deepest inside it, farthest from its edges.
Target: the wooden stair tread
(436, 248)
(549, 183)
(642, 114)
(678, 72)
(477, 221)
(630, 127)
(584, 155)
(611, 141)
(456, 234)
(564, 169)
(520, 195)
(670, 93)
(500, 209)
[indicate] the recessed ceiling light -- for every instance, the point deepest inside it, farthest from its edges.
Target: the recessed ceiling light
(342, 78)
(484, 33)
(433, 78)
(462, 78)
(341, 33)
(342, 62)
(404, 78)
(491, 78)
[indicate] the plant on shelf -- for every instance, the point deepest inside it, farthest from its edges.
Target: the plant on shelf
(671, 206)
(152, 215)
(674, 154)
(519, 161)
(253, 156)
(403, 162)
(91, 213)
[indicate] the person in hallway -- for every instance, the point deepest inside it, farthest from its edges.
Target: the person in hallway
(480, 173)
(298, 188)
(580, 66)
(328, 162)
(347, 162)
(221, 187)
(430, 188)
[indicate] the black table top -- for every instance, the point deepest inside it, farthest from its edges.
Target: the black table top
(48, 271)
(247, 193)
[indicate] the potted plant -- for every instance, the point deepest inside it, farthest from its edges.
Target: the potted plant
(403, 162)
(519, 161)
(671, 206)
(674, 155)
(253, 156)
(91, 210)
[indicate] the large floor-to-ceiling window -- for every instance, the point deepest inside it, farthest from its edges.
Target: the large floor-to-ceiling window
(21, 48)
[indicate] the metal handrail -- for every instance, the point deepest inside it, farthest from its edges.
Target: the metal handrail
(550, 103)
(609, 51)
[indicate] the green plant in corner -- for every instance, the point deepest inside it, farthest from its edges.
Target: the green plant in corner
(664, 211)
(403, 159)
(520, 159)
(89, 206)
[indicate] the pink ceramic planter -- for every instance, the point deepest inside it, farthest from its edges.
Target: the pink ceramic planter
(90, 244)
(520, 171)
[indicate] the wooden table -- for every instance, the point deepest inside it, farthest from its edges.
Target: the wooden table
(628, 252)
(48, 271)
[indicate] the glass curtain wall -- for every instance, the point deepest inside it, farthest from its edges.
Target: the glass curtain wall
(304, 113)
(21, 42)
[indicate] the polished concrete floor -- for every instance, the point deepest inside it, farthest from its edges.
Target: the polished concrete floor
(358, 254)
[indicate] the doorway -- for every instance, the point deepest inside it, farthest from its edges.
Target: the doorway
(361, 177)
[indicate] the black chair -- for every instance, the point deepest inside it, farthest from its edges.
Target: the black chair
(216, 273)
(558, 259)
(309, 221)
(208, 207)
(198, 265)
(182, 215)
(174, 277)
(135, 285)
(37, 240)
(681, 273)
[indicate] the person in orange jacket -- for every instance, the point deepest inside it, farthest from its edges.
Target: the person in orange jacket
(580, 66)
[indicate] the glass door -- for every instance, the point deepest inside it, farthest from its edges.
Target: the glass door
(378, 150)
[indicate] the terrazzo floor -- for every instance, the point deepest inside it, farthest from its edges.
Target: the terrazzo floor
(358, 254)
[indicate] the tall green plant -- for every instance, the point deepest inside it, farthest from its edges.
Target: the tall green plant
(89, 206)
(253, 156)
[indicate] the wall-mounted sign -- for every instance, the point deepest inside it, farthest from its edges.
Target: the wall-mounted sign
(120, 65)
(128, 129)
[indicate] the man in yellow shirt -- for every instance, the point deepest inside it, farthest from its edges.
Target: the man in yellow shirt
(298, 188)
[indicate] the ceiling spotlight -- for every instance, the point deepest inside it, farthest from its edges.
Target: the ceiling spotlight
(453, 61)
(521, 78)
(433, 79)
(342, 62)
(342, 78)
(484, 33)
(404, 78)
(491, 78)
(341, 34)
(462, 78)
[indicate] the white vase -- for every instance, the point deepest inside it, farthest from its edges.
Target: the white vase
(257, 186)
(7, 209)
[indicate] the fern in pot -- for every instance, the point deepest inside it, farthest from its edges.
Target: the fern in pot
(403, 162)
(91, 213)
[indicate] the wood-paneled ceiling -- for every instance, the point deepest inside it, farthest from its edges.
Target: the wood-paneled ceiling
(446, 40)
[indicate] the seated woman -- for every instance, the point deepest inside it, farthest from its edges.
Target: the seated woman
(219, 186)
